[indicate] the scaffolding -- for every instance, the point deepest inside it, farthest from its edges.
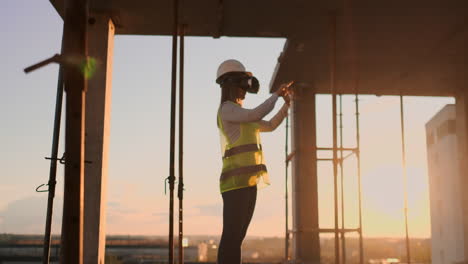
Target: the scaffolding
(344, 153)
(338, 161)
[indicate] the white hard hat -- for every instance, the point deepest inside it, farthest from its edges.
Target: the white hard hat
(229, 66)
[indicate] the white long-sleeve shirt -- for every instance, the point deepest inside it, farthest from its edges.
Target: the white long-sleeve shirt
(233, 114)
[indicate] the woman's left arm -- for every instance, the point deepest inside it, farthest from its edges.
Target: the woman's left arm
(275, 121)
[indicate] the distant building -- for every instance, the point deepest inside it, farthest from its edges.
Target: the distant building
(26, 254)
(444, 188)
(125, 252)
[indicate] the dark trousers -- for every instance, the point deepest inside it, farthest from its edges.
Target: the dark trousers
(238, 208)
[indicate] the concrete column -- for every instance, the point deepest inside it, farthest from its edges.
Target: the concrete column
(306, 242)
(74, 46)
(98, 105)
(462, 139)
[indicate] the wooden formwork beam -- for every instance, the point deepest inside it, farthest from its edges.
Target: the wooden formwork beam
(75, 46)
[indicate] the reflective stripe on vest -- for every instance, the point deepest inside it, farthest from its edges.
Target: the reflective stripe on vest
(243, 170)
(243, 163)
(241, 149)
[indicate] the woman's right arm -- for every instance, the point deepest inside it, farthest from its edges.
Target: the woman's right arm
(273, 123)
(237, 114)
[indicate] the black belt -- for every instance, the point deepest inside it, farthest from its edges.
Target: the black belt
(241, 149)
(242, 170)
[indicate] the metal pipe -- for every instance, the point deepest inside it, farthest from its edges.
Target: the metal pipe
(344, 149)
(405, 179)
(335, 158)
(53, 165)
(343, 239)
(180, 193)
(54, 59)
(358, 160)
(286, 151)
(325, 159)
(171, 177)
(341, 230)
(347, 156)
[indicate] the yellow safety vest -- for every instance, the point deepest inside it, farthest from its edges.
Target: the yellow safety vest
(243, 162)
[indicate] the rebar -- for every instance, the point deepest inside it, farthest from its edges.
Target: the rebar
(286, 149)
(180, 193)
(335, 158)
(358, 160)
(171, 177)
(405, 179)
(53, 165)
(343, 239)
(54, 59)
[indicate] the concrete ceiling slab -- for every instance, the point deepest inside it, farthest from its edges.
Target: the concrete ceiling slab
(383, 47)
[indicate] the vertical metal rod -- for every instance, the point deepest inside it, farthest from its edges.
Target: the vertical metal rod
(180, 192)
(358, 160)
(335, 156)
(343, 239)
(53, 165)
(171, 177)
(405, 179)
(75, 45)
(286, 231)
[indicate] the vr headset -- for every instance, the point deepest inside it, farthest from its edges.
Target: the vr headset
(249, 83)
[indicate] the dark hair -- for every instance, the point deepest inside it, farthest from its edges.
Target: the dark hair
(229, 92)
(229, 83)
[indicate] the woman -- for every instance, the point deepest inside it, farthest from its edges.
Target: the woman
(243, 163)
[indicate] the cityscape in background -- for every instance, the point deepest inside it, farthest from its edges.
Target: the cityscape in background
(16, 249)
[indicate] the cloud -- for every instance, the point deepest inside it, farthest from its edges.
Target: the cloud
(27, 215)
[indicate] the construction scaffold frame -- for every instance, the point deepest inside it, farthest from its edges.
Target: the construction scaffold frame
(345, 153)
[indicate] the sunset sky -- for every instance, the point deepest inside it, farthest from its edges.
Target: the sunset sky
(139, 143)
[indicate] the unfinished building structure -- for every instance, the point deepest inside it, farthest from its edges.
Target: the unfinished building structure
(445, 188)
(334, 47)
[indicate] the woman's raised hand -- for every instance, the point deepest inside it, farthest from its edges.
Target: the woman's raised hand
(285, 91)
(284, 88)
